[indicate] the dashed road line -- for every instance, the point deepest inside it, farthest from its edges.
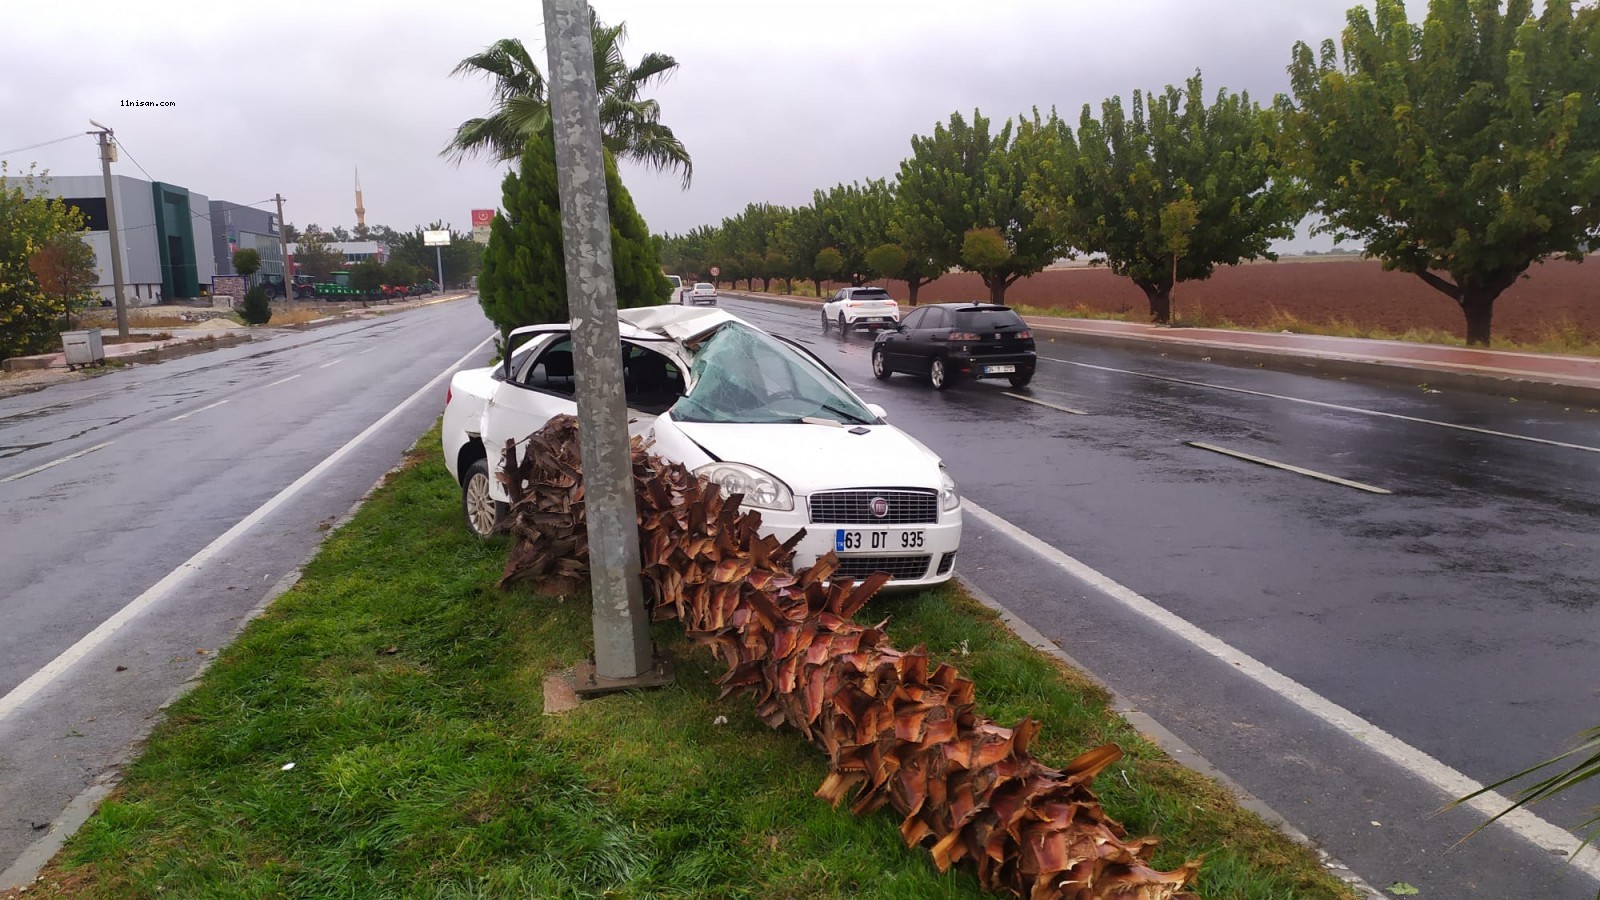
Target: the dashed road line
(334, 363)
(200, 410)
(1310, 473)
(282, 380)
(1065, 409)
(56, 462)
(1449, 781)
(1353, 409)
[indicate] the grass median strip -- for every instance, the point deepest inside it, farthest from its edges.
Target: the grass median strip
(406, 693)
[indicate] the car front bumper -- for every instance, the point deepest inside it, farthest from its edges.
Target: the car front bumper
(933, 562)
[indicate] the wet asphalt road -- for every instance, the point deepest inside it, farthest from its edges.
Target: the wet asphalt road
(1458, 613)
(186, 450)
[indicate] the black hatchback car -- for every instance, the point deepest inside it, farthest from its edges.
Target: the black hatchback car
(949, 342)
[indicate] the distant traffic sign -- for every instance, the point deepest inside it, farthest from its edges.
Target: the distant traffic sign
(715, 271)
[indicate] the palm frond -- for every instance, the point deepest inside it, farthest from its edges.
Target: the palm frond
(1585, 759)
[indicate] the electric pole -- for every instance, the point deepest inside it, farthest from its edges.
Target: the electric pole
(623, 655)
(108, 155)
(283, 243)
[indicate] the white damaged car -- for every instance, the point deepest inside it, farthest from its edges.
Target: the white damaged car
(757, 414)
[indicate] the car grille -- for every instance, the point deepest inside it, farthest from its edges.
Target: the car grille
(896, 566)
(855, 507)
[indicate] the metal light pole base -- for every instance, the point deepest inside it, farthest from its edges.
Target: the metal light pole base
(587, 683)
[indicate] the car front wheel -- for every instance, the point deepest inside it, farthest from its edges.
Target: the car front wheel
(939, 375)
(483, 513)
(880, 366)
(825, 322)
(844, 330)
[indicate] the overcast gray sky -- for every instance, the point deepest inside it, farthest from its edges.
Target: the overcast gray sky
(773, 99)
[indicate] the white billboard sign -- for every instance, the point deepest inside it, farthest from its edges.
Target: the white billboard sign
(436, 239)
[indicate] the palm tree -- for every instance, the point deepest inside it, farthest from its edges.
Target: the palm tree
(630, 124)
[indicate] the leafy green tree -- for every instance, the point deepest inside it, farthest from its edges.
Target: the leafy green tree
(984, 251)
(1462, 151)
(630, 123)
(31, 312)
(857, 218)
(775, 265)
(829, 265)
(961, 178)
(524, 280)
(247, 261)
(1168, 190)
(462, 257)
(800, 239)
(340, 233)
(368, 276)
(65, 267)
(313, 256)
(886, 260)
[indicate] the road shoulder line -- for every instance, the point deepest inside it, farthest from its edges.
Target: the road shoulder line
(1272, 463)
(1449, 781)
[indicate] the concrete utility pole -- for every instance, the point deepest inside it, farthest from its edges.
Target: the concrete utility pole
(622, 650)
(108, 153)
(283, 244)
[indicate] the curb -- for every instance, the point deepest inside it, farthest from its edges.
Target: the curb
(1506, 383)
(1169, 743)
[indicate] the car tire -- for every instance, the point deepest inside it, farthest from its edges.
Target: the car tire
(938, 375)
(1021, 381)
(483, 514)
(844, 330)
(880, 366)
(825, 323)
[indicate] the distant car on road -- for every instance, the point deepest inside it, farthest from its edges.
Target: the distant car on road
(703, 292)
(677, 288)
(949, 342)
(860, 307)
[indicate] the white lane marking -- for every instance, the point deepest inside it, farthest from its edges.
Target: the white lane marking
(200, 410)
(366, 351)
(1333, 479)
(55, 462)
(282, 380)
(57, 667)
(334, 363)
(1447, 780)
(1065, 409)
(1354, 409)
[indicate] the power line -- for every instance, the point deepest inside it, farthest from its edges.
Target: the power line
(45, 144)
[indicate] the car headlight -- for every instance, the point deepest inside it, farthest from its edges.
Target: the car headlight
(948, 498)
(760, 490)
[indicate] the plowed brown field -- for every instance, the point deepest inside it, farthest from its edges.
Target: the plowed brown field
(1557, 294)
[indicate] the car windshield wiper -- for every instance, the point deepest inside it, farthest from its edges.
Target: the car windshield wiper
(847, 414)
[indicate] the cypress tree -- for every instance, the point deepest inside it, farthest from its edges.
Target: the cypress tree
(524, 278)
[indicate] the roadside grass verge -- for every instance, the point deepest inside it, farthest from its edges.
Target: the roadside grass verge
(407, 693)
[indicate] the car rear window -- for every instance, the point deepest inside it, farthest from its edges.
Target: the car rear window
(990, 319)
(870, 295)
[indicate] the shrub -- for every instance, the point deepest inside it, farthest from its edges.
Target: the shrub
(256, 309)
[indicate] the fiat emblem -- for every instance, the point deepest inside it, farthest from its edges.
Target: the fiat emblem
(880, 507)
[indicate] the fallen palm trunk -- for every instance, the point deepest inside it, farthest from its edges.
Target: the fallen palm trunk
(894, 731)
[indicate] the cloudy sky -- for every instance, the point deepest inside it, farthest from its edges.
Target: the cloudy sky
(773, 98)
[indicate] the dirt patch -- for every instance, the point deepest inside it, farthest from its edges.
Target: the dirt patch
(1556, 295)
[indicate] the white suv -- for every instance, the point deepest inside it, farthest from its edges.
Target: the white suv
(860, 307)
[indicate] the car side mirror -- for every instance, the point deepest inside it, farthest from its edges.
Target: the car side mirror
(878, 411)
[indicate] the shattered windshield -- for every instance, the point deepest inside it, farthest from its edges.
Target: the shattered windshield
(746, 376)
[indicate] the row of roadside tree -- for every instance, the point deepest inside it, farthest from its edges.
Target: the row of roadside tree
(1463, 150)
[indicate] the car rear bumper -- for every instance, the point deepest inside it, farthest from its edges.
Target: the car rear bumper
(978, 366)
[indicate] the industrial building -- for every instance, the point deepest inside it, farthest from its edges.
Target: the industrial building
(165, 230)
(238, 227)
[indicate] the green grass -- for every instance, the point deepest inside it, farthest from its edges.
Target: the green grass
(407, 692)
